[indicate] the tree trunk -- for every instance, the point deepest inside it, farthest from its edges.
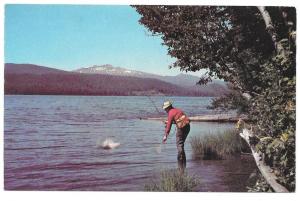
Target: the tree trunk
(271, 30)
(269, 25)
(265, 170)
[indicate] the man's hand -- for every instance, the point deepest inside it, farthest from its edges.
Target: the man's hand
(164, 139)
(166, 123)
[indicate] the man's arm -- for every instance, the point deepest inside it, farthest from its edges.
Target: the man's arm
(168, 126)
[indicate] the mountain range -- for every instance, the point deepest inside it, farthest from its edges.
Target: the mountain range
(180, 79)
(102, 80)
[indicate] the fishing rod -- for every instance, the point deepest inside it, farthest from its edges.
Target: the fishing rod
(148, 96)
(153, 103)
(161, 144)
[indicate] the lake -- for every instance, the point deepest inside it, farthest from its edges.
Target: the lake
(52, 143)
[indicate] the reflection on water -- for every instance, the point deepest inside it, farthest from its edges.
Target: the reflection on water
(51, 144)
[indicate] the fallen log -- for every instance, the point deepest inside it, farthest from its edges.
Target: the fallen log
(209, 118)
(265, 170)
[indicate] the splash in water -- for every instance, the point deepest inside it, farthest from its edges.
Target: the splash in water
(108, 144)
(158, 148)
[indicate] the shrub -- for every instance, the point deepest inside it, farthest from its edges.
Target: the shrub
(218, 146)
(173, 181)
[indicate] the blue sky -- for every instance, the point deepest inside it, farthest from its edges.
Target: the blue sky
(72, 36)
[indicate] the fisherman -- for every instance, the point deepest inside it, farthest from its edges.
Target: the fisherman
(182, 122)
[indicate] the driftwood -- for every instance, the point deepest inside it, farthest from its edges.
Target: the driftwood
(265, 170)
(210, 118)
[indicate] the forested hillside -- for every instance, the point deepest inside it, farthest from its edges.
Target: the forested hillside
(32, 79)
(40, 80)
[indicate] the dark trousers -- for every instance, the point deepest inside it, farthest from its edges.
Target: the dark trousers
(181, 136)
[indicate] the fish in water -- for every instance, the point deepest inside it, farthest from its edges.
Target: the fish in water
(109, 144)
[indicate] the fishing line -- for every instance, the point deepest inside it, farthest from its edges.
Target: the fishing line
(153, 103)
(159, 146)
(151, 100)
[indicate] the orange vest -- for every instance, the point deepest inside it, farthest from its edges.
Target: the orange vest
(181, 120)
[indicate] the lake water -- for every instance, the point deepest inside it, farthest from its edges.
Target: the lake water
(51, 143)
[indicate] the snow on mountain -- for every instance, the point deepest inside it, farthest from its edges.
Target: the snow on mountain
(111, 70)
(181, 79)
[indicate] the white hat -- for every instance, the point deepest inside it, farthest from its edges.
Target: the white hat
(167, 104)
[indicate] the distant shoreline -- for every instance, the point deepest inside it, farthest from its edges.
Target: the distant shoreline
(162, 95)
